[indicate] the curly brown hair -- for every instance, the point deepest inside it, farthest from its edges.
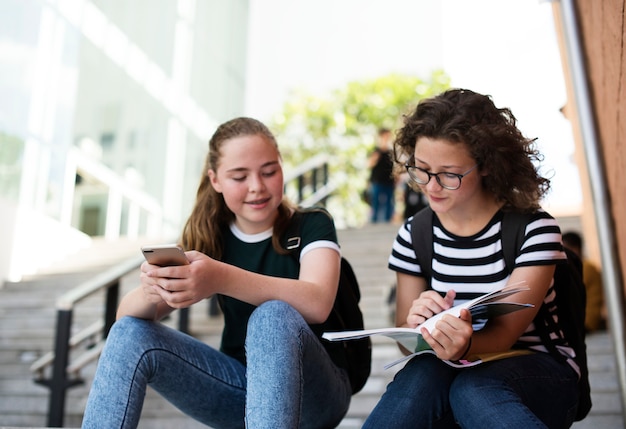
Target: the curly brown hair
(210, 215)
(492, 138)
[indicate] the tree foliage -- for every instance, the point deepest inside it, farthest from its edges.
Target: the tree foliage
(343, 124)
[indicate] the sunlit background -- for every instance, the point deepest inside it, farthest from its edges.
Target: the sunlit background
(106, 105)
(507, 49)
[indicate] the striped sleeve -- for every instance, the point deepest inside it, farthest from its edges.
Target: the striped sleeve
(542, 243)
(403, 258)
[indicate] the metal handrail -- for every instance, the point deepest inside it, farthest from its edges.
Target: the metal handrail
(313, 186)
(59, 359)
(612, 281)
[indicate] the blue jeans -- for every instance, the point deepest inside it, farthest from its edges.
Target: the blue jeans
(382, 202)
(530, 391)
(290, 381)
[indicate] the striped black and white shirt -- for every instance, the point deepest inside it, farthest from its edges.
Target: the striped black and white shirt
(475, 265)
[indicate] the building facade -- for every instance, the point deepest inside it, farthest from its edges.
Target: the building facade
(106, 107)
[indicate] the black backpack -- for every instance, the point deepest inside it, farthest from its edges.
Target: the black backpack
(570, 298)
(354, 356)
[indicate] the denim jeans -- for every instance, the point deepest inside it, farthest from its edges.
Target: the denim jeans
(530, 391)
(290, 381)
(383, 203)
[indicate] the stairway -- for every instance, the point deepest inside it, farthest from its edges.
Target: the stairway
(27, 322)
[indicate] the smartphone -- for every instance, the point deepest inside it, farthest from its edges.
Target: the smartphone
(165, 255)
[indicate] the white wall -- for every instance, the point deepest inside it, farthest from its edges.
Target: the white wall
(32, 241)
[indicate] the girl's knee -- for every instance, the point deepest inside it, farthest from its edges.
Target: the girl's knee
(464, 387)
(129, 332)
(272, 314)
(124, 328)
(129, 326)
(274, 307)
(274, 322)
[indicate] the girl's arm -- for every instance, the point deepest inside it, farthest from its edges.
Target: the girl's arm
(312, 294)
(136, 304)
(144, 301)
(500, 333)
(408, 289)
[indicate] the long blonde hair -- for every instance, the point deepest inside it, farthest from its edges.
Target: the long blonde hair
(210, 216)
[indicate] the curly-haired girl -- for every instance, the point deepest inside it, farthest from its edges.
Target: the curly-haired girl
(474, 166)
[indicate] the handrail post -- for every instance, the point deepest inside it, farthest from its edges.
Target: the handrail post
(314, 178)
(112, 296)
(183, 320)
(300, 187)
(59, 381)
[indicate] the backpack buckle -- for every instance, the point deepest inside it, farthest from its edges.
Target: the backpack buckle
(293, 243)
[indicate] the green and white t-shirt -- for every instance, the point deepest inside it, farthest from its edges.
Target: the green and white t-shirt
(255, 253)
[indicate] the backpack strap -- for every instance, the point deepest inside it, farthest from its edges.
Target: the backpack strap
(291, 237)
(354, 356)
(422, 240)
(513, 233)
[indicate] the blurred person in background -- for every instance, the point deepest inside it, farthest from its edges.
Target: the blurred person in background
(595, 318)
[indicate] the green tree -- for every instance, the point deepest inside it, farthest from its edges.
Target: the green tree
(343, 124)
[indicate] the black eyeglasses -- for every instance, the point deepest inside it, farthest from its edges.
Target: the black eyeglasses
(450, 181)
